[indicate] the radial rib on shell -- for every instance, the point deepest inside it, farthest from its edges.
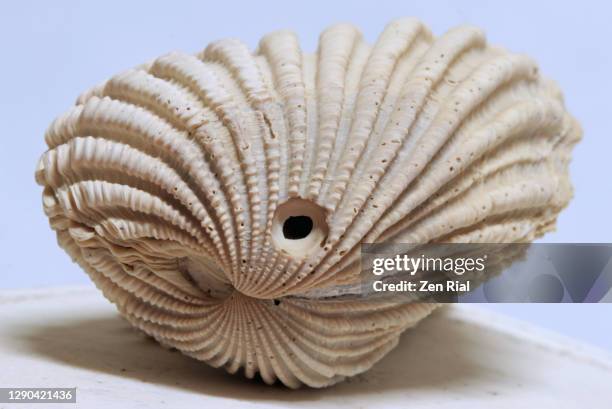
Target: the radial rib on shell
(172, 184)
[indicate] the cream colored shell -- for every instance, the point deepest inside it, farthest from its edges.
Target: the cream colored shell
(170, 185)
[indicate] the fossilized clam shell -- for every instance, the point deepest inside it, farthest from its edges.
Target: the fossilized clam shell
(214, 197)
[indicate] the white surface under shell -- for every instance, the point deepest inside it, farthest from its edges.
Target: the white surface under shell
(462, 357)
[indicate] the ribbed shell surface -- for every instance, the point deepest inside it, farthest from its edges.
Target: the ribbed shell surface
(164, 181)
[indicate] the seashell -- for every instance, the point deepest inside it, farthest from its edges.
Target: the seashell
(214, 198)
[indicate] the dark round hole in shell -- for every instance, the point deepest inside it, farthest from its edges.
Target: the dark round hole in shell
(297, 227)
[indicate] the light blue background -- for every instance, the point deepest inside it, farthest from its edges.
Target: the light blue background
(52, 50)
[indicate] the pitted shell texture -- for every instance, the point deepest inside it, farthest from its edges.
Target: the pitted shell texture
(214, 197)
